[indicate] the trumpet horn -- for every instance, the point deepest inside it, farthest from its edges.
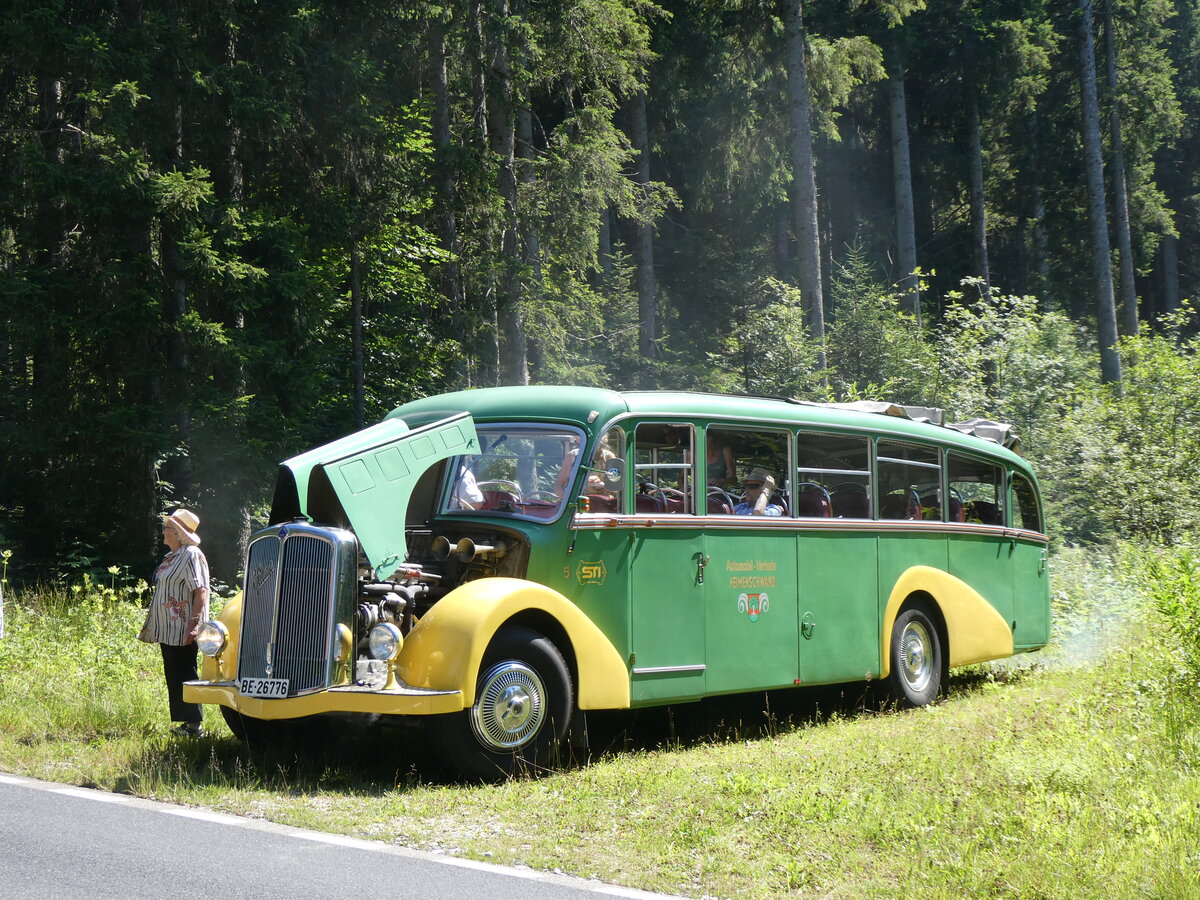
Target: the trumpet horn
(464, 551)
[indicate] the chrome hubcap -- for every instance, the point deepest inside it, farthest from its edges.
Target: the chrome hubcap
(510, 707)
(914, 656)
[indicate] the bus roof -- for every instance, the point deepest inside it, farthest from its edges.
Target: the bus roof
(593, 408)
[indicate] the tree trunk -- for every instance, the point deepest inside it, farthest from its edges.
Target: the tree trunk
(782, 243)
(975, 179)
(1129, 309)
(1106, 311)
(604, 245)
(447, 223)
(514, 361)
(531, 239)
(1169, 261)
(356, 338)
(230, 481)
(804, 179)
(906, 229)
(1037, 201)
(644, 250)
(178, 469)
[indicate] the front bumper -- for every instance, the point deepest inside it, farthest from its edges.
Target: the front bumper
(402, 701)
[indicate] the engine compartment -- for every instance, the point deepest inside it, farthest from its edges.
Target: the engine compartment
(440, 560)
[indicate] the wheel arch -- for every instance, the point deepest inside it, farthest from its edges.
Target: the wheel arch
(970, 628)
(445, 648)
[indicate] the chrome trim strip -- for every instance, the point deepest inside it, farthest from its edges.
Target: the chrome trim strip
(661, 670)
(601, 521)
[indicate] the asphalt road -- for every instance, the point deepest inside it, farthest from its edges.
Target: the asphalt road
(59, 842)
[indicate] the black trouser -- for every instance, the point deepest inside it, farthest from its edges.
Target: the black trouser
(179, 665)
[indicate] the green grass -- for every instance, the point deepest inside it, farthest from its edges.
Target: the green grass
(1075, 776)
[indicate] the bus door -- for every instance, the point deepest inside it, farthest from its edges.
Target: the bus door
(750, 580)
(980, 556)
(1031, 587)
(750, 600)
(597, 577)
(837, 568)
(667, 561)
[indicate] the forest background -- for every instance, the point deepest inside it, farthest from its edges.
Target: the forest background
(233, 230)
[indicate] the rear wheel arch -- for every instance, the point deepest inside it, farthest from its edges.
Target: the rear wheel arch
(933, 609)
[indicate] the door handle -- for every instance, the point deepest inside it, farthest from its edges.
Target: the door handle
(701, 562)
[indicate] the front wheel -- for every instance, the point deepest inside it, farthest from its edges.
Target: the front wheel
(916, 658)
(260, 734)
(523, 704)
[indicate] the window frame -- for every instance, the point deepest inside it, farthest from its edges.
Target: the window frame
(868, 441)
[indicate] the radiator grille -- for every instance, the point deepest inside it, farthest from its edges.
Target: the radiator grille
(288, 607)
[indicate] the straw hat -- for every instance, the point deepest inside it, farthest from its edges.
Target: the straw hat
(188, 522)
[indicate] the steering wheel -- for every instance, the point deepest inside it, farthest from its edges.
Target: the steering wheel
(511, 486)
(543, 497)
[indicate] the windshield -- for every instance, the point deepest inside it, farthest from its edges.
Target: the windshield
(521, 470)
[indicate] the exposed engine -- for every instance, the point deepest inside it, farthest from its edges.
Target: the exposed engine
(443, 562)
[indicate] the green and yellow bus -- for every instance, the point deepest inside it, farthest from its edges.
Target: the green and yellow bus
(492, 564)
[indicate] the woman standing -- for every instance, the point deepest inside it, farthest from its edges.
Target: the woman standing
(179, 605)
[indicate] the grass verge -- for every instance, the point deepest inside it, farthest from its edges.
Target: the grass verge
(1068, 774)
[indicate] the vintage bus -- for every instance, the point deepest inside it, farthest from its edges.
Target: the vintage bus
(492, 564)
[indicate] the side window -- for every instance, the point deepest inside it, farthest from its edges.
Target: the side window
(833, 476)
(663, 468)
(910, 481)
(1026, 513)
(976, 491)
(746, 471)
(604, 486)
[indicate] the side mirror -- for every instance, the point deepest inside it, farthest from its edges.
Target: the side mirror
(614, 472)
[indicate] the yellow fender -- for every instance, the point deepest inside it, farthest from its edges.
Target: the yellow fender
(975, 630)
(231, 617)
(445, 648)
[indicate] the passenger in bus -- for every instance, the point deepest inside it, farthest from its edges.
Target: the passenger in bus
(601, 494)
(757, 498)
(719, 458)
(567, 469)
(466, 493)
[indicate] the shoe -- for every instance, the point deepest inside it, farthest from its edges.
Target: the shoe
(188, 729)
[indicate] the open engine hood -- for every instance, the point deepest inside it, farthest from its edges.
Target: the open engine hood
(367, 478)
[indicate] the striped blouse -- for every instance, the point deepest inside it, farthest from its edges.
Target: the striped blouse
(168, 620)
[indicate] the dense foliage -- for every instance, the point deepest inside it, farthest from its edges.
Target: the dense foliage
(230, 230)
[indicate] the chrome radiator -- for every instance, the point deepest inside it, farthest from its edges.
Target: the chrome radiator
(301, 581)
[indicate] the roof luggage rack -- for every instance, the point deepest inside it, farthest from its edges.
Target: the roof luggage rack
(997, 432)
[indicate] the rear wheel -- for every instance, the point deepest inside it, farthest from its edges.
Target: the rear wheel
(522, 709)
(916, 658)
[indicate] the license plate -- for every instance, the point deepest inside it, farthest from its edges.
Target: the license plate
(263, 687)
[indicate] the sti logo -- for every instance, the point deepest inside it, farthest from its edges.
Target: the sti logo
(591, 572)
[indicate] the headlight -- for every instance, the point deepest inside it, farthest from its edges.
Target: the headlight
(212, 637)
(385, 641)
